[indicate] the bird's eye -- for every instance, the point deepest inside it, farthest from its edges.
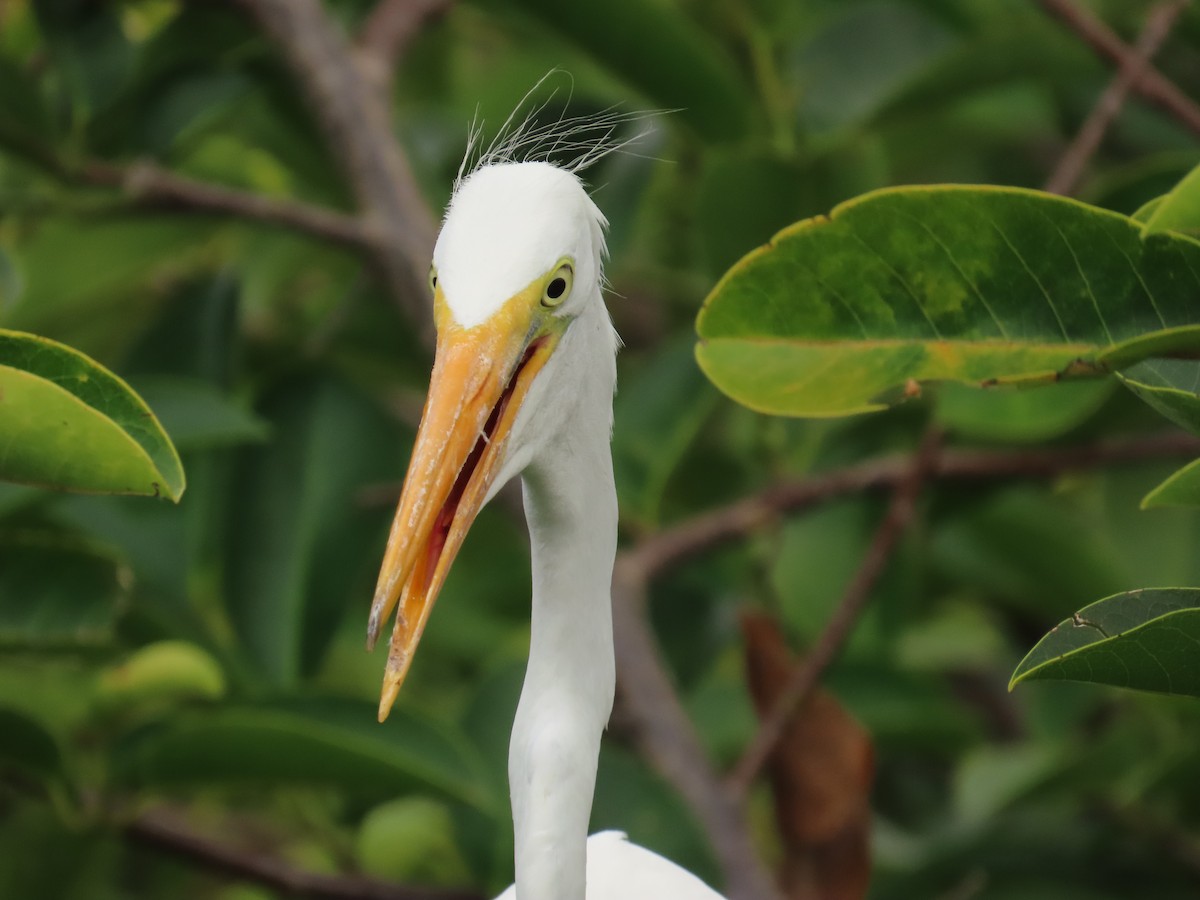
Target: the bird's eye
(432, 278)
(558, 287)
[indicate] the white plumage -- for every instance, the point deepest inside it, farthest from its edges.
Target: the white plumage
(522, 386)
(619, 870)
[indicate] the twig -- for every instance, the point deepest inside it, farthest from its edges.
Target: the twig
(1079, 153)
(359, 134)
(387, 31)
(1151, 85)
(163, 831)
(668, 548)
(152, 186)
(799, 686)
(662, 732)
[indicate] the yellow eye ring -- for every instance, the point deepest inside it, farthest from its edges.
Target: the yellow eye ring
(558, 288)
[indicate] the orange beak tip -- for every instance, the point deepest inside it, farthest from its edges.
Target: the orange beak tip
(387, 698)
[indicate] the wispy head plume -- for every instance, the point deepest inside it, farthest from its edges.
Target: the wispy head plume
(574, 143)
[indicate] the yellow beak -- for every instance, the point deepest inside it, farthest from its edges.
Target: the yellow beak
(481, 376)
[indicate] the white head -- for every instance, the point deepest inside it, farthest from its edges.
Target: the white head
(509, 225)
(525, 348)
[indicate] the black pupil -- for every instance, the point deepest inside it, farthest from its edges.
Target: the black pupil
(433, 280)
(555, 288)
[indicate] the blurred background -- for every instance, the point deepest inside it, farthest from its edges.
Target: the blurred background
(182, 682)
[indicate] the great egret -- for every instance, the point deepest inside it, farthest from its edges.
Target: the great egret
(522, 384)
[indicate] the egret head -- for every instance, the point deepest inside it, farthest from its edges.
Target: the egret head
(518, 261)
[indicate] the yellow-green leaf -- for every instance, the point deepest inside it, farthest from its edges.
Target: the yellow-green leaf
(1182, 488)
(70, 424)
(838, 314)
(1177, 210)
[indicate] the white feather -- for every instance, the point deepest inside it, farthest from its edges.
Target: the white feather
(619, 870)
(510, 221)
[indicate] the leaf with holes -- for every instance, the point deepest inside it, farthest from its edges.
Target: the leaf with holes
(1148, 640)
(69, 423)
(839, 314)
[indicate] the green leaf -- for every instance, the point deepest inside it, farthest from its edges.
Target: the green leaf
(161, 673)
(198, 416)
(71, 424)
(658, 50)
(1146, 210)
(411, 839)
(899, 40)
(973, 284)
(25, 745)
(1148, 640)
(1028, 551)
(57, 590)
(1171, 386)
(1179, 210)
(657, 414)
(1181, 489)
(1009, 414)
(306, 742)
(993, 778)
(301, 550)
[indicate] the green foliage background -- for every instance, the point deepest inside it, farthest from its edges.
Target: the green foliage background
(209, 655)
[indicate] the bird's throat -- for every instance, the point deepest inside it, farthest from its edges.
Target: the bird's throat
(568, 691)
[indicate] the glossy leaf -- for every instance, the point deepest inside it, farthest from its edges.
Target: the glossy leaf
(1178, 210)
(1145, 639)
(1171, 386)
(837, 315)
(58, 590)
(1181, 489)
(308, 742)
(71, 424)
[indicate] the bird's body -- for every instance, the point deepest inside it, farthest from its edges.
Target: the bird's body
(522, 386)
(620, 870)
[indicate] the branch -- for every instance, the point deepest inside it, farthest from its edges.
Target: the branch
(701, 533)
(388, 30)
(355, 121)
(662, 732)
(163, 831)
(1070, 167)
(800, 684)
(1151, 85)
(158, 188)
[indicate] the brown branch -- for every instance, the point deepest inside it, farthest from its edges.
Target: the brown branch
(1079, 153)
(1151, 85)
(157, 188)
(388, 30)
(800, 685)
(662, 732)
(355, 121)
(163, 831)
(691, 537)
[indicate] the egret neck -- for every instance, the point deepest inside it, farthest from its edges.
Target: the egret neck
(570, 504)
